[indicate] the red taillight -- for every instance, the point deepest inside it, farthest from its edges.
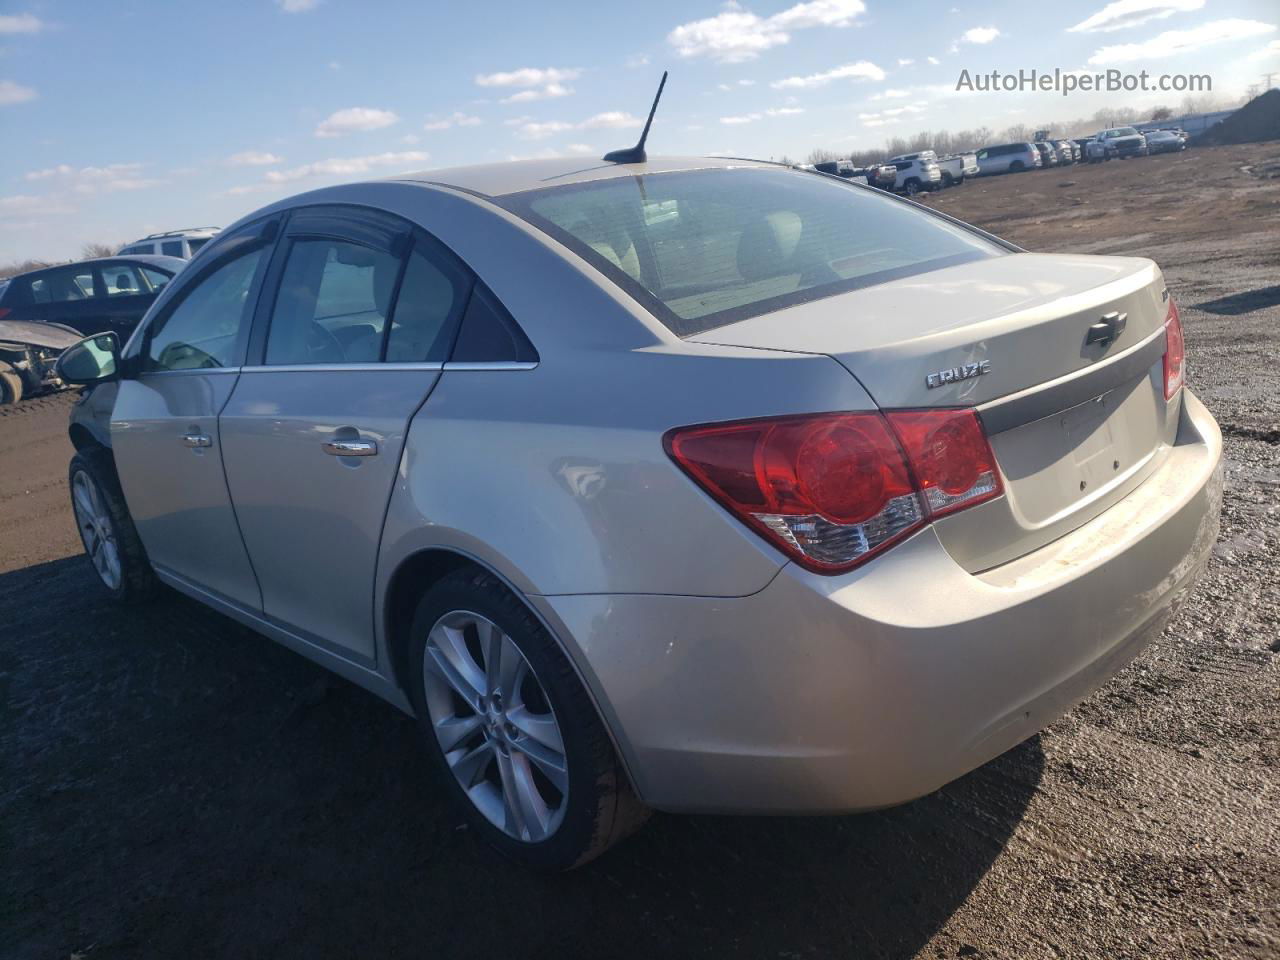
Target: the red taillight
(4, 312)
(951, 457)
(1175, 352)
(832, 490)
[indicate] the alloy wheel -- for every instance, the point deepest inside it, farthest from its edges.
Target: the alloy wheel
(96, 529)
(495, 726)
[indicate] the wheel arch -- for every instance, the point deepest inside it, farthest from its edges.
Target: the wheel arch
(421, 570)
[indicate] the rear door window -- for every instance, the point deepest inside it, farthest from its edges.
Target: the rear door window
(171, 248)
(332, 303)
(69, 285)
(122, 280)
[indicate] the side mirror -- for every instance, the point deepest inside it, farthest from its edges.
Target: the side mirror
(92, 360)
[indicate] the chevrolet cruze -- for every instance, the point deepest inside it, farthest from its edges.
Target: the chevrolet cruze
(696, 485)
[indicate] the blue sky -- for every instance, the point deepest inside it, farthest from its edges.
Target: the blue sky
(122, 118)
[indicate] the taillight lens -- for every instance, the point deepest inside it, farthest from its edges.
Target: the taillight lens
(1175, 353)
(832, 490)
(951, 458)
(4, 312)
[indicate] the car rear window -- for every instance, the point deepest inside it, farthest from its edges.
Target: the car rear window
(704, 248)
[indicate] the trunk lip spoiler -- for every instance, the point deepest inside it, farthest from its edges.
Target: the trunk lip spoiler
(1080, 386)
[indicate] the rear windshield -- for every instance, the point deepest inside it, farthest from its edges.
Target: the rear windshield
(704, 248)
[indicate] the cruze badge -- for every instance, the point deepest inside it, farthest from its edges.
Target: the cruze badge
(965, 371)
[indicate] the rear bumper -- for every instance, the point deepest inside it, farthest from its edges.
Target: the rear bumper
(823, 694)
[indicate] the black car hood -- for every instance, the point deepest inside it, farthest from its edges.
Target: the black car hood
(32, 334)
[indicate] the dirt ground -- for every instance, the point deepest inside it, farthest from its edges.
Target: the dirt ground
(172, 785)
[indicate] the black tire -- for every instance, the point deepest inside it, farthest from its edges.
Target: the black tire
(600, 806)
(11, 387)
(1017, 166)
(947, 180)
(137, 581)
(911, 187)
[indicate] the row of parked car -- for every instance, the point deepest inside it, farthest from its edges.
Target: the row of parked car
(914, 173)
(45, 311)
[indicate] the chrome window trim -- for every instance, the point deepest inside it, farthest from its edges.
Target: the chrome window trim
(203, 371)
(465, 365)
(339, 367)
(461, 366)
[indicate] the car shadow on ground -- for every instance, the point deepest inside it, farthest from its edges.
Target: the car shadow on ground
(1241, 303)
(171, 784)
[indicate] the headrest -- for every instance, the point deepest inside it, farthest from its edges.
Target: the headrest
(768, 244)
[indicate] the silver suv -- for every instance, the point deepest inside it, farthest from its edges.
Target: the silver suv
(1007, 158)
(172, 243)
(693, 484)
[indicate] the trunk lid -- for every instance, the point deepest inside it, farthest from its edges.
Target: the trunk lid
(1074, 425)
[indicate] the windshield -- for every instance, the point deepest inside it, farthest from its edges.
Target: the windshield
(704, 248)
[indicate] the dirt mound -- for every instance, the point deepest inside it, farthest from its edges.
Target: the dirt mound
(1259, 119)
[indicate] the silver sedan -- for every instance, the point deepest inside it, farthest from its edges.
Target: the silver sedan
(698, 485)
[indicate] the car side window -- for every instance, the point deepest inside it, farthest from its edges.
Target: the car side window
(155, 279)
(432, 296)
(332, 304)
(490, 334)
(202, 330)
(64, 286)
(122, 280)
(171, 248)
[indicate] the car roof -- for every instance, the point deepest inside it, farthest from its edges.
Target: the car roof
(517, 176)
(171, 264)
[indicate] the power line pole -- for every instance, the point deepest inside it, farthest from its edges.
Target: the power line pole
(1267, 80)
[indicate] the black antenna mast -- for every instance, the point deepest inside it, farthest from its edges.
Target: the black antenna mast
(636, 154)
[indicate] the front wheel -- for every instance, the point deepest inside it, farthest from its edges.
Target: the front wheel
(512, 729)
(110, 539)
(912, 187)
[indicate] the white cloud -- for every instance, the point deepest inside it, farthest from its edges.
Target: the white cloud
(411, 138)
(25, 204)
(905, 61)
(753, 117)
(979, 35)
(612, 120)
(345, 166)
(637, 60)
(253, 158)
(1131, 13)
(746, 83)
(1272, 49)
(862, 70)
(891, 94)
(540, 131)
(108, 179)
(298, 6)
(20, 23)
(580, 148)
(528, 77)
(354, 120)
(1174, 42)
(335, 65)
(548, 92)
(723, 87)
(11, 92)
(528, 129)
(455, 119)
(934, 60)
(736, 34)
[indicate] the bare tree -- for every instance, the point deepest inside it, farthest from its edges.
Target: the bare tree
(91, 251)
(821, 155)
(1161, 113)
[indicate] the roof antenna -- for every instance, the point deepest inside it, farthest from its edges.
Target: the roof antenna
(636, 154)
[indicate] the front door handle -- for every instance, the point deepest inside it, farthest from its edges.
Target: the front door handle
(197, 440)
(350, 448)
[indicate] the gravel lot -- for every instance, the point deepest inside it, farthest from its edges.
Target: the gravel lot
(173, 785)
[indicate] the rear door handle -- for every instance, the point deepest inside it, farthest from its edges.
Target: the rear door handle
(196, 440)
(350, 448)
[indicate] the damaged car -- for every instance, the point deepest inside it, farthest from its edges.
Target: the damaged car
(28, 352)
